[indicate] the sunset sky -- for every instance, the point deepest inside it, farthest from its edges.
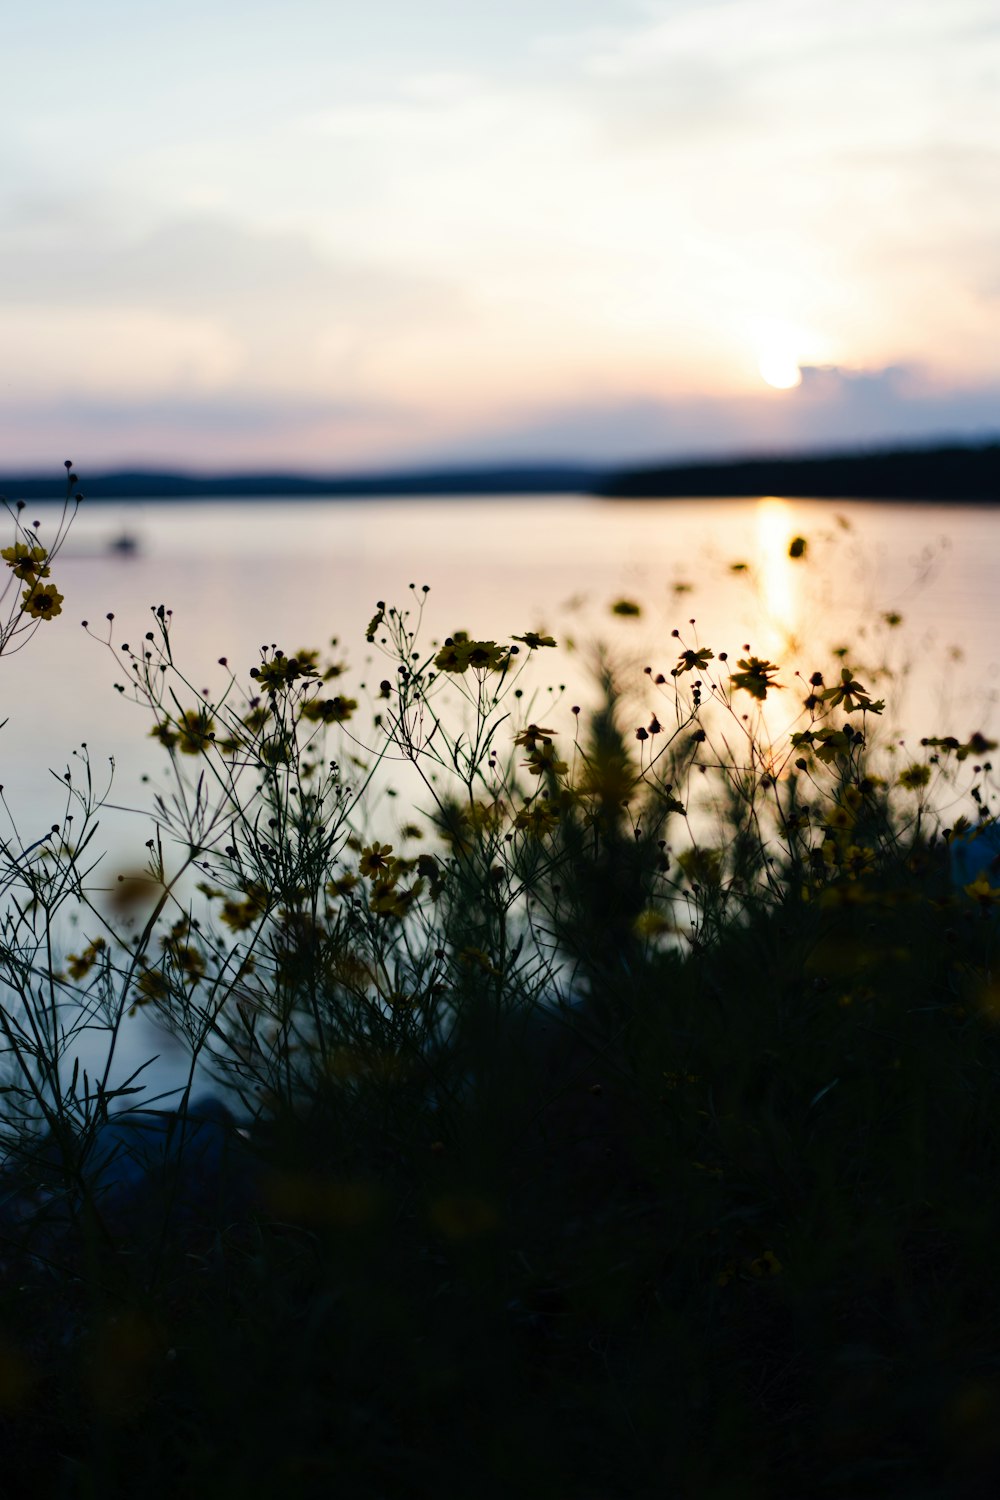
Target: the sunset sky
(327, 235)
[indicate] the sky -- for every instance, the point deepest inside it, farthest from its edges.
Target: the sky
(328, 236)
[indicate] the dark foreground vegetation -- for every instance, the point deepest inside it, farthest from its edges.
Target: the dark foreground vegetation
(613, 1112)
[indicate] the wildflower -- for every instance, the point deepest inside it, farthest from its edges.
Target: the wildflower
(41, 601)
(26, 563)
(195, 731)
(544, 757)
(328, 710)
(840, 818)
(980, 890)
(458, 654)
(184, 957)
(537, 818)
(343, 885)
(375, 860)
(167, 737)
(530, 737)
(767, 1264)
(431, 872)
(533, 640)
(675, 1080)
(914, 777)
(80, 965)
(701, 866)
(650, 924)
(693, 661)
(857, 860)
(240, 915)
(755, 677)
(826, 744)
(626, 607)
(670, 802)
(376, 620)
(476, 958)
(849, 693)
(257, 717)
(388, 900)
(151, 988)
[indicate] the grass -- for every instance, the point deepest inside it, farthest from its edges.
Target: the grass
(618, 1100)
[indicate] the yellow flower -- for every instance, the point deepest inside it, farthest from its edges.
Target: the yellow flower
(195, 731)
(458, 654)
(27, 563)
(387, 900)
(375, 860)
(693, 661)
(980, 890)
(328, 710)
(184, 957)
(858, 860)
(239, 915)
(530, 737)
(767, 1264)
(167, 737)
(152, 987)
(651, 924)
(544, 757)
(849, 692)
(702, 866)
(626, 607)
(41, 601)
(537, 818)
(282, 671)
(80, 965)
(533, 640)
(914, 777)
(755, 677)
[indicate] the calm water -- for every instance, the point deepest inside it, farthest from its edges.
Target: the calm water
(241, 575)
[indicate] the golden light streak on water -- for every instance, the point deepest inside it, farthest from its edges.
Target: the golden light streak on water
(774, 526)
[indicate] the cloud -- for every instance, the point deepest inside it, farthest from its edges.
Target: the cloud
(210, 430)
(832, 409)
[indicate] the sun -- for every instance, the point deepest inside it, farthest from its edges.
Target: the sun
(779, 369)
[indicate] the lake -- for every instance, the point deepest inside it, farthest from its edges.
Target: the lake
(240, 575)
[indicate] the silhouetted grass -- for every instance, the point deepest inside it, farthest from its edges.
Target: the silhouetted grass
(628, 1128)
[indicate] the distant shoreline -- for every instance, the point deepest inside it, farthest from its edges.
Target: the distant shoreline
(968, 474)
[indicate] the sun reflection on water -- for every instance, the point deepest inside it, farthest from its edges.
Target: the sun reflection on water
(779, 585)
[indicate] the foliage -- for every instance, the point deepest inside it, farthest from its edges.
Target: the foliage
(620, 1118)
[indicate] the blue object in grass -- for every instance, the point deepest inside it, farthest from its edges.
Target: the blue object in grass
(973, 853)
(194, 1167)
